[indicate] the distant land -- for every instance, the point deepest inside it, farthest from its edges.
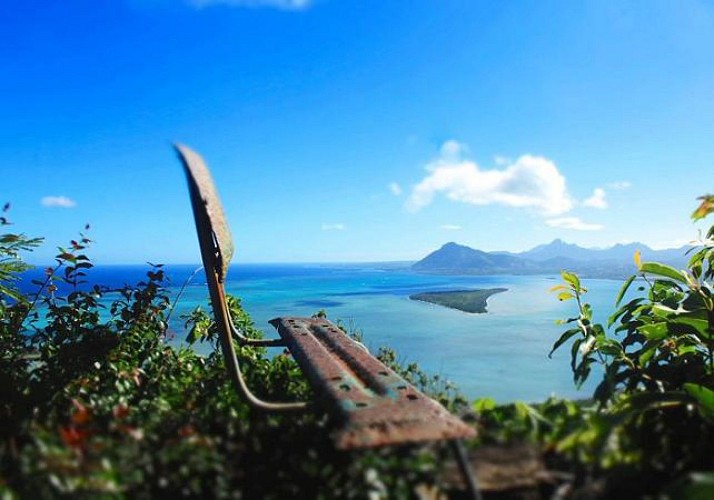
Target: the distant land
(470, 301)
(615, 262)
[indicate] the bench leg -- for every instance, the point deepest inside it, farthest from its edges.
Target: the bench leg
(467, 472)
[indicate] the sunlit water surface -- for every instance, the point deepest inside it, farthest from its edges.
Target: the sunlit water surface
(501, 354)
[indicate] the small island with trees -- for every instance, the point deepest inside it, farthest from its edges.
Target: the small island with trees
(470, 301)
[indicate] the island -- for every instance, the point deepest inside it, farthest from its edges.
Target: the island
(470, 301)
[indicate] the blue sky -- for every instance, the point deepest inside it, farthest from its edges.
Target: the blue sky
(343, 130)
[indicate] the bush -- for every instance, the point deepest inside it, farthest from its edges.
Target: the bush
(95, 402)
(653, 418)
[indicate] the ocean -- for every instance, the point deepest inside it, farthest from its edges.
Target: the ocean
(502, 354)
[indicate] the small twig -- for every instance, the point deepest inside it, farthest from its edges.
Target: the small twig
(180, 293)
(39, 292)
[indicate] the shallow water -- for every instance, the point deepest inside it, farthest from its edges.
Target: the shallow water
(501, 354)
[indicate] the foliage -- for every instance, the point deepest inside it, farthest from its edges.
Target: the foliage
(654, 410)
(95, 402)
(544, 423)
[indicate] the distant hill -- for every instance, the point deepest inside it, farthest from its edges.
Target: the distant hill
(560, 249)
(453, 256)
(613, 262)
(556, 249)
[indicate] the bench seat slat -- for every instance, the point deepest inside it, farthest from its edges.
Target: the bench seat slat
(375, 405)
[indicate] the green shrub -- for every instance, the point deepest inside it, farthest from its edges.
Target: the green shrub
(95, 402)
(653, 417)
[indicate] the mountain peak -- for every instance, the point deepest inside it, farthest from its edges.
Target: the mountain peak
(561, 243)
(453, 258)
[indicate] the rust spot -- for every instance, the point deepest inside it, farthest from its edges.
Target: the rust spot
(372, 408)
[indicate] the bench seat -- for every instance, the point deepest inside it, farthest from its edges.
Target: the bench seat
(373, 404)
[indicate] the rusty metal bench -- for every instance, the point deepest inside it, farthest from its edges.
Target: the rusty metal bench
(372, 405)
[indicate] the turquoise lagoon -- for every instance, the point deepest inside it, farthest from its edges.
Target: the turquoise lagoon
(501, 354)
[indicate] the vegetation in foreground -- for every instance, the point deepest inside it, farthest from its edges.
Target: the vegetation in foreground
(470, 301)
(94, 402)
(649, 431)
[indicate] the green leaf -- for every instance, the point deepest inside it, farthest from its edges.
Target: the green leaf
(700, 325)
(563, 338)
(705, 207)
(565, 296)
(9, 238)
(632, 404)
(663, 270)
(609, 347)
(484, 404)
(694, 486)
(654, 331)
(623, 289)
(647, 352)
(704, 396)
(625, 311)
(572, 279)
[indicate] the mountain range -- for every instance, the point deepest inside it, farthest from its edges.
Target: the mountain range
(613, 262)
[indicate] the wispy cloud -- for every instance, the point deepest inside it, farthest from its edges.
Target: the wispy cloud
(58, 202)
(529, 182)
(573, 223)
(277, 4)
(395, 188)
(451, 227)
(502, 161)
(597, 199)
(620, 185)
(333, 227)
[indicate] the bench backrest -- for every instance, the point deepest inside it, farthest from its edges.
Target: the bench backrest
(216, 244)
(214, 234)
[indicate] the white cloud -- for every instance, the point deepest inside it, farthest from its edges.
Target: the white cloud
(395, 188)
(278, 4)
(453, 150)
(451, 227)
(529, 182)
(333, 227)
(573, 223)
(58, 201)
(620, 185)
(597, 200)
(502, 161)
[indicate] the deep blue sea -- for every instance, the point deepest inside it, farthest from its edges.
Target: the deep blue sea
(502, 354)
